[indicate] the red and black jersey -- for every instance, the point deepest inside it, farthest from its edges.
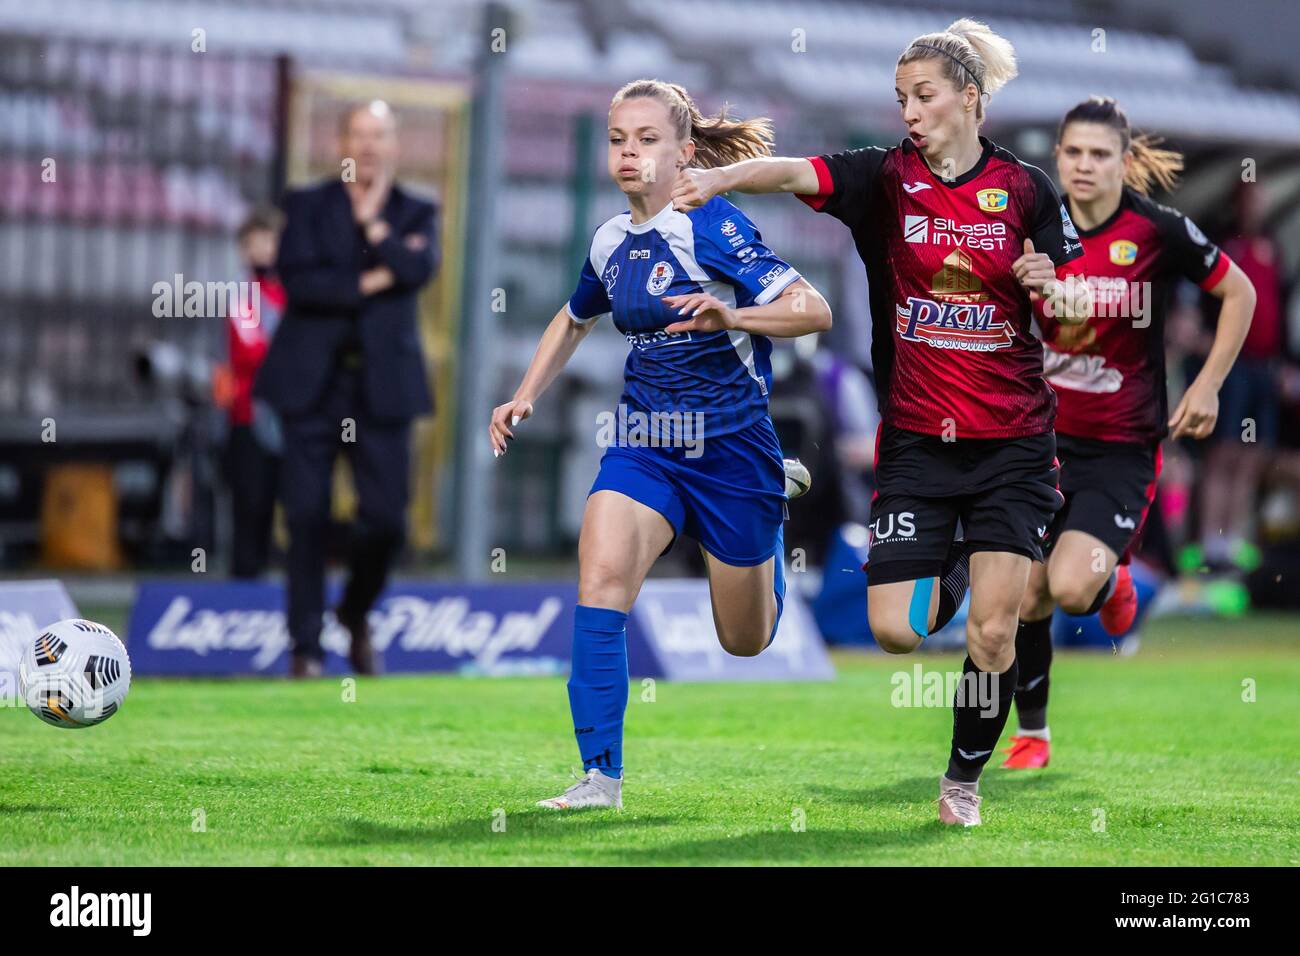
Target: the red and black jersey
(953, 341)
(1109, 372)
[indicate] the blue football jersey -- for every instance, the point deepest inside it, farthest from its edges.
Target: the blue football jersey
(725, 375)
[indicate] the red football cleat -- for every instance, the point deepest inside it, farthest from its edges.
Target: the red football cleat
(1121, 607)
(1028, 753)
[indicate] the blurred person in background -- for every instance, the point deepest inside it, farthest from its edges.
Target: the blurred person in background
(1248, 421)
(824, 409)
(254, 445)
(850, 398)
(346, 372)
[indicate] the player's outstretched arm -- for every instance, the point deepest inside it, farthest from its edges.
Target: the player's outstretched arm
(798, 310)
(559, 342)
(767, 174)
(1198, 410)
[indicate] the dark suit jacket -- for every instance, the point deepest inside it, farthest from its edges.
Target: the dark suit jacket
(322, 256)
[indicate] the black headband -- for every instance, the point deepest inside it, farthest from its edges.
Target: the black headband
(925, 46)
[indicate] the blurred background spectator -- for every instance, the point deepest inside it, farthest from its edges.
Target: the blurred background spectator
(346, 374)
(1249, 404)
(254, 441)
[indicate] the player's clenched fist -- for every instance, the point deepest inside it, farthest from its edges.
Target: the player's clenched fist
(1034, 270)
(694, 187)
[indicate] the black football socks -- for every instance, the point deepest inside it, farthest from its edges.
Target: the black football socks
(952, 584)
(1034, 655)
(1103, 595)
(979, 714)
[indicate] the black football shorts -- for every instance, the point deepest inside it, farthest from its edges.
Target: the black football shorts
(1003, 491)
(1108, 489)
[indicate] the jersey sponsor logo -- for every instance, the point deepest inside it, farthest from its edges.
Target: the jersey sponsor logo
(956, 280)
(661, 277)
(965, 327)
(945, 232)
(911, 188)
(771, 276)
(1067, 226)
(728, 228)
(656, 339)
(1197, 236)
(1123, 252)
(1081, 372)
(1126, 522)
(638, 254)
(610, 277)
(992, 200)
(894, 527)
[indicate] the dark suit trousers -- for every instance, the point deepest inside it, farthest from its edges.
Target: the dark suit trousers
(380, 457)
(251, 472)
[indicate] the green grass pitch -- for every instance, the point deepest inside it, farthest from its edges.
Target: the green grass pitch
(1158, 760)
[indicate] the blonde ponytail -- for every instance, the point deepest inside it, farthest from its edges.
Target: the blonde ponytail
(969, 52)
(995, 52)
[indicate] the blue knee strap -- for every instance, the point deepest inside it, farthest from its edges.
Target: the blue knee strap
(918, 614)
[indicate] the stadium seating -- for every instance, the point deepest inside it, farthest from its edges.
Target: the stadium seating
(210, 134)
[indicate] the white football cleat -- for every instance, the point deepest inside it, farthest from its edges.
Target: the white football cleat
(797, 478)
(958, 806)
(593, 790)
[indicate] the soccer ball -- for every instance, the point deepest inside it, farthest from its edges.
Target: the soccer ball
(75, 674)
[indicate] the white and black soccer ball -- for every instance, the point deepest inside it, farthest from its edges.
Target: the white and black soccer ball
(74, 674)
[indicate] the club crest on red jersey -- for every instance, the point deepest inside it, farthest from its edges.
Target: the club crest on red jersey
(1123, 252)
(992, 200)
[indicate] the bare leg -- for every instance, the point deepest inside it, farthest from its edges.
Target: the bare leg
(620, 540)
(997, 587)
(744, 603)
(1078, 569)
(894, 612)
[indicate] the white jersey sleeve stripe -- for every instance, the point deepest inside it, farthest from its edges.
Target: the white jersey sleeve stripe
(607, 239)
(594, 318)
(777, 287)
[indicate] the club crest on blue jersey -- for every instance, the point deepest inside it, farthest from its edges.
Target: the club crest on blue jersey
(661, 277)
